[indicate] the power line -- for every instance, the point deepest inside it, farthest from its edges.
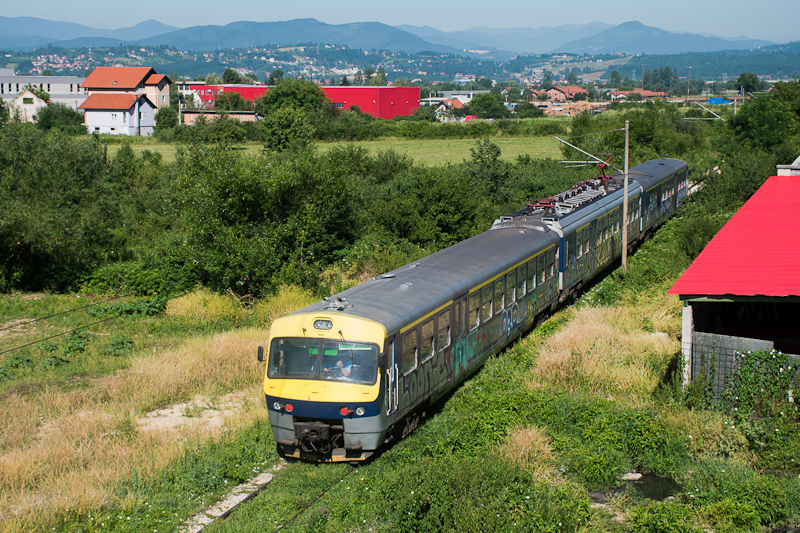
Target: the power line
(58, 335)
(59, 314)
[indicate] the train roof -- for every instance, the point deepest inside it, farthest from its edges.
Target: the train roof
(397, 297)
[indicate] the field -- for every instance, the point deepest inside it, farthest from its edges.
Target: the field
(432, 152)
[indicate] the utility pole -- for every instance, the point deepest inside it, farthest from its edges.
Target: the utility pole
(689, 85)
(642, 80)
(625, 208)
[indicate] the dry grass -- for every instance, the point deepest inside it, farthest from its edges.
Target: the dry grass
(287, 300)
(204, 307)
(609, 351)
(66, 449)
(530, 448)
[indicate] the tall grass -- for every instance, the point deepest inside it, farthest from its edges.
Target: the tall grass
(65, 449)
(609, 350)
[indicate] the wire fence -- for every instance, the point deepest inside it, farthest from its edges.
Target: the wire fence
(718, 359)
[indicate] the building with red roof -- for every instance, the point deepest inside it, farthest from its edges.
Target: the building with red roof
(563, 93)
(119, 114)
(133, 80)
(378, 101)
(743, 291)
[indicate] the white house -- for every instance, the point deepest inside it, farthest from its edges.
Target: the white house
(26, 106)
(119, 114)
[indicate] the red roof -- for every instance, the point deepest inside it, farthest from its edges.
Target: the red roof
(111, 101)
(154, 79)
(121, 78)
(757, 253)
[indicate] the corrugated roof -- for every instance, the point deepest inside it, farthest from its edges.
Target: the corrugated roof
(757, 253)
(117, 77)
(111, 101)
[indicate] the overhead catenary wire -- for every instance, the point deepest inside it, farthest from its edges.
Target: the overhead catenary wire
(31, 321)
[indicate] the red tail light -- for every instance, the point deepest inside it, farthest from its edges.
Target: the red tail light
(344, 411)
(289, 408)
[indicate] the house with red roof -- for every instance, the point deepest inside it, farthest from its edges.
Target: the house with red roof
(742, 293)
(645, 94)
(124, 100)
(119, 114)
(564, 93)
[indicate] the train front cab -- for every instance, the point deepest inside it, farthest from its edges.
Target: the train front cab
(323, 386)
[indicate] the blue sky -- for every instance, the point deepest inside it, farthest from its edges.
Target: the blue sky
(773, 20)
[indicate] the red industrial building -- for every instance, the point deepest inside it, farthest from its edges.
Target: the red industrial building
(378, 101)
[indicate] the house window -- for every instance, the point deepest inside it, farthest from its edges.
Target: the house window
(27, 100)
(113, 116)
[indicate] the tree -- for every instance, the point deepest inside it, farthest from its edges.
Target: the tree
(485, 83)
(213, 79)
(488, 105)
(345, 81)
(615, 79)
(748, 82)
(166, 118)
(232, 101)
(275, 77)
(572, 78)
(60, 117)
(528, 110)
(297, 94)
(547, 81)
(287, 129)
(231, 77)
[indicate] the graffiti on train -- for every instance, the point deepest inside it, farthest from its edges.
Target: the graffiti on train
(427, 376)
(512, 316)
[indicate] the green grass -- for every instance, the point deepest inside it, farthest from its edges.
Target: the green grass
(432, 152)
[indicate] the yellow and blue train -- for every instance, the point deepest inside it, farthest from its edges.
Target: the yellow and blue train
(355, 371)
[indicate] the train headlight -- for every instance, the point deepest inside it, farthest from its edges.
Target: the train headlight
(360, 411)
(277, 406)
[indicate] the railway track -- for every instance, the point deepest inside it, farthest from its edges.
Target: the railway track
(247, 492)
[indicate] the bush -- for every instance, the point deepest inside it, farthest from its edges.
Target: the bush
(664, 517)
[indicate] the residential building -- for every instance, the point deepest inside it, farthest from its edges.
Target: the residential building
(564, 93)
(130, 80)
(119, 114)
(26, 106)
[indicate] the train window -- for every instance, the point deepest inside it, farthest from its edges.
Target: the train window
(486, 298)
(531, 274)
(511, 286)
(499, 292)
(541, 270)
(579, 244)
(456, 319)
(443, 337)
(410, 350)
(549, 265)
(521, 275)
(293, 358)
(426, 346)
(474, 305)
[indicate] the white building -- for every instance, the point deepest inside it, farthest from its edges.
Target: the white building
(119, 114)
(26, 106)
(62, 89)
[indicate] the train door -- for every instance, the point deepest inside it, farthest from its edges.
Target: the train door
(392, 381)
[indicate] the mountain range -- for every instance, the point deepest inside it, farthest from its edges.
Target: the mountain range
(18, 33)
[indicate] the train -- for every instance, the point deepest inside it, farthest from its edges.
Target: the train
(353, 372)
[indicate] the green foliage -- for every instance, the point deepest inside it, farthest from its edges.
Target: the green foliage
(488, 105)
(765, 121)
(60, 117)
(73, 344)
(146, 307)
(664, 517)
(166, 118)
(232, 101)
(119, 346)
(297, 94)
(757, 399)
(286, 129)
(199, 477)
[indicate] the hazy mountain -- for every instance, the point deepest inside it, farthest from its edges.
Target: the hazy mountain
(23, 32)
(636, 38)
(362, 35)
(519, 40)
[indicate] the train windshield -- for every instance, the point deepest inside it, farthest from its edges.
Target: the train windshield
(332, 360)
